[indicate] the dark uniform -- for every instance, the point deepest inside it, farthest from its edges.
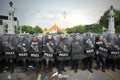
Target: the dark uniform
(113, 51)
(100, 52)
(48, 51)
(1, 55)
(118, 59)
(9, 44)
(22, 49)
(35, 54)
(63, 53)
(77, 52)
(88, 51)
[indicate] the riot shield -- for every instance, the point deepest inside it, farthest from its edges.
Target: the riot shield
(36, 48)
(9, 43)
(48, 51)
(118, 56)
(23, 47)
(1, 48)
(100, 44)
(113, 44)
(1, 54)
(89, 44)
(77, 52)
(48, 47)
(63, 48)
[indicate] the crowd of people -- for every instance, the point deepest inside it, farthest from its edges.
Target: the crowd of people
(60, 50)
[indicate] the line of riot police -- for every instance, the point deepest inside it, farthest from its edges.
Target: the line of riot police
(59, 50)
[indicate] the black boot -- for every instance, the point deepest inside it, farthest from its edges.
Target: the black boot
(90, 70)
(75, 70)
(11, 66)
(113, 69)
(103, 69)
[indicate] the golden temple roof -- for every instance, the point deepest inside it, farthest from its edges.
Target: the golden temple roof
(54, 28)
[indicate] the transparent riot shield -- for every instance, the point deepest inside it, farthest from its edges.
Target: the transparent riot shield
(36, 48)
(48, 47)
(48, 51)
(1, 48)
(9, 43)
(23, 47)
(63, 48)
(113, 44)
(89, 44)
(100, 44)
(1, 54)
(118, 55)
(118, 42)
(77, 52)
(35, 52)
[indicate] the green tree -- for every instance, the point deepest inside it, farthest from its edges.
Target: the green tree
(105, 19)
(96, 28)
(27, 29)
(6, 28)
(37, 30)
(118, 29)
(69, 30)
(17, 29)
(78, 29)
(75, 29)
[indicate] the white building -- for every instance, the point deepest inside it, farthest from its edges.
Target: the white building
(4, 23)
(111, 26)
(8, 23)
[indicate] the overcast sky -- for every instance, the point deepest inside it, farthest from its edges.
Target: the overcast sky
(46, 13)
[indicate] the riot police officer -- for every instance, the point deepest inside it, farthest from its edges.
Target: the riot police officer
(1, 54)
(113, 50)
(48, 52)
(118, 59)
(88, 51)
(35, 53)
(77, 51)
(63, 52)
(9, 44)
(100, 52)
(22, 49)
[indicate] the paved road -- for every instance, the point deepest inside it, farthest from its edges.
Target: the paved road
(80, 75)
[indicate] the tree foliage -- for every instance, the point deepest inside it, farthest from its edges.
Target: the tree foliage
(27, 29)
(37, 30)
(30, 29)
(94, 28)
(6, 28)
(75, 29)
(98, 28)
(105, 19)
